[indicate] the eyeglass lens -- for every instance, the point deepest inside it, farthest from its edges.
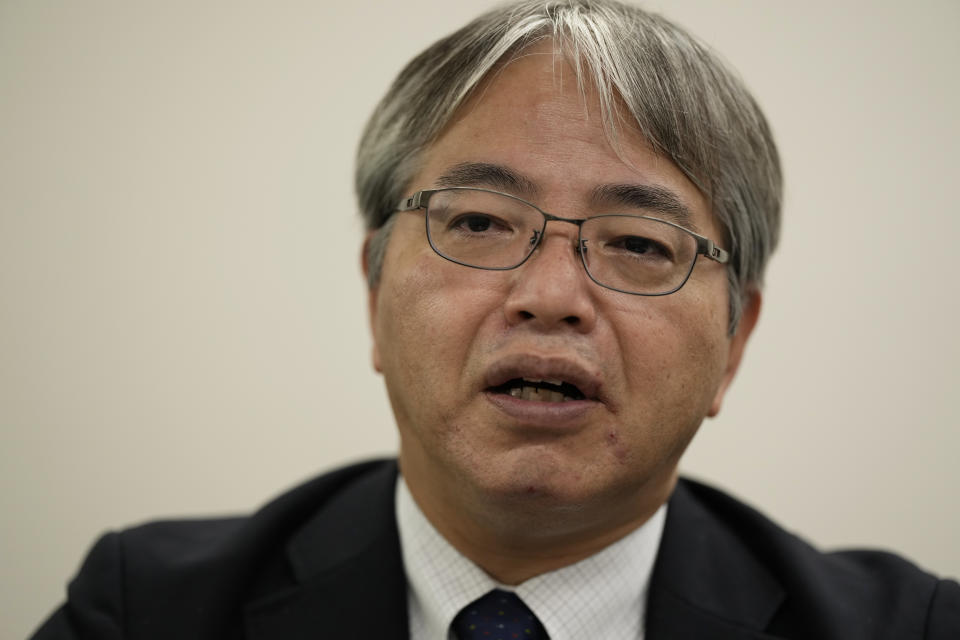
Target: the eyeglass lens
(621, 251)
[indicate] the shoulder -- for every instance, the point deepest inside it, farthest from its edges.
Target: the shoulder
(199, 545)
(158, 578)
(850, 593)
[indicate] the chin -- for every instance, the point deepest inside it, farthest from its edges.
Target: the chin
(534, 477)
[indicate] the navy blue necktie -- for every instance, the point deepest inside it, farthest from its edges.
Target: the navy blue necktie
(499, 615)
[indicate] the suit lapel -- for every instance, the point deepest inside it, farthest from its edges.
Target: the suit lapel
(348, 566)
(706, 583)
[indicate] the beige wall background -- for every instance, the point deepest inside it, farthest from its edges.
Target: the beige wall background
(182, 316)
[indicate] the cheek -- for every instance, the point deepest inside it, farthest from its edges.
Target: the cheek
(408, 309)
(430, 320)
(431, 311)
(674, 355)
(407, 338)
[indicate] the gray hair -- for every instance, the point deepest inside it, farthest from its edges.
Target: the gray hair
(685, 101)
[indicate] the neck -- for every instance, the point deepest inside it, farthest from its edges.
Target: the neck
(512, 560)
(514, 540)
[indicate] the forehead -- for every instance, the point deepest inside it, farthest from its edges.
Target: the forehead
(534, 117)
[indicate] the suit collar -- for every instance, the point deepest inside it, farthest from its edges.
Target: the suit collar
(706, 582)
(348, 567)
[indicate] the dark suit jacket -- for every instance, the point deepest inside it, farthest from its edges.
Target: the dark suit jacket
(323, 561)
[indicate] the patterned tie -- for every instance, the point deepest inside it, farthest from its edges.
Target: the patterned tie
(499, 615)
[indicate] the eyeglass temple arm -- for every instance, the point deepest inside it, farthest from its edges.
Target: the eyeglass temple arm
(416, 201)
(712, 251)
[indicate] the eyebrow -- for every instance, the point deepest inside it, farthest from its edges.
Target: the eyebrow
(484, 174)
(652, 198)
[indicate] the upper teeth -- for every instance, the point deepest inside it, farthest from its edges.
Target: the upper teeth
(538, 394)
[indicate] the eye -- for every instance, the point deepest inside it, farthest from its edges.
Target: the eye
(475, 222)
(479, 224)
(642, 246)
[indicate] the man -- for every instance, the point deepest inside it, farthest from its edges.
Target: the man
(570, 208)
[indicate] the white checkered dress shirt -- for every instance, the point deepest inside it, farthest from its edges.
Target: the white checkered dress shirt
(603, 596)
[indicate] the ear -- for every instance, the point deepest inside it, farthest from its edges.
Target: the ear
(738, 343)
(371, 298)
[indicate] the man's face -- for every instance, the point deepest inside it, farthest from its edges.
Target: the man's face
(445, 335)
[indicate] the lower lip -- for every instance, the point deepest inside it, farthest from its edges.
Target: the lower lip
(551, 415)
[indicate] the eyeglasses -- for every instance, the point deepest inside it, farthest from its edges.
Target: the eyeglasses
(633, 254)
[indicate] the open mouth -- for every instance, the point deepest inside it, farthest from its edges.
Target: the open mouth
(539, 390)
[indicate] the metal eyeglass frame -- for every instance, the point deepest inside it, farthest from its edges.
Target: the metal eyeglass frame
(705, 246)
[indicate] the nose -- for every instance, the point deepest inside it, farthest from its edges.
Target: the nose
(551, 290)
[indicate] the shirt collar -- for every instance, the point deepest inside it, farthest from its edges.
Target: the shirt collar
(602, 596)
